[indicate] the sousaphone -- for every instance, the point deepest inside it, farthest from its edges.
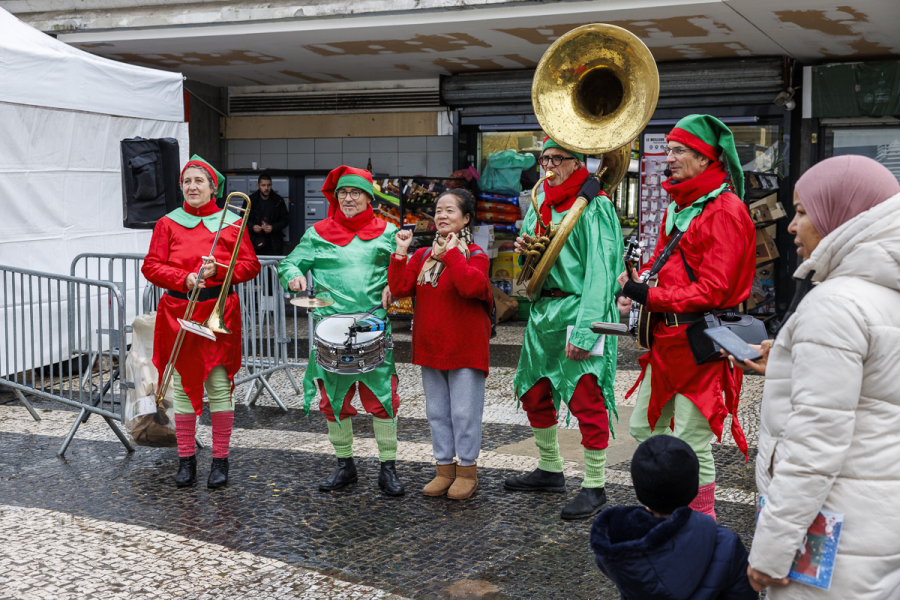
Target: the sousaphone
(594, 91)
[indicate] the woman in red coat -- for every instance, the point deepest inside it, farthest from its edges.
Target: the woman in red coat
(178, 247)
(450, 338)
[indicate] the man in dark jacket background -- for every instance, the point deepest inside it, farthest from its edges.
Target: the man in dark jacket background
(268, 218)
(664, 550)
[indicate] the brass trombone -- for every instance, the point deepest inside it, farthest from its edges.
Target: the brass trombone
(215, 323)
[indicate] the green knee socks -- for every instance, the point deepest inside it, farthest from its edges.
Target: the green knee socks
(551, 461)
(594, 469)
(386, 438)
(341, 437)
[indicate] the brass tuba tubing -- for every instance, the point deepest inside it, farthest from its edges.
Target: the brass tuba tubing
(223, 294)
(594, 91)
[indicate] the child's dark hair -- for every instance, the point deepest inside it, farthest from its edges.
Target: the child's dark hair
(466, 202)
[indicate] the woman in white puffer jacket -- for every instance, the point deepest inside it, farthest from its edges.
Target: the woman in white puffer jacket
(830, 422)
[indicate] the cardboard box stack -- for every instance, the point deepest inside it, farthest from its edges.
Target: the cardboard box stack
(764, 213)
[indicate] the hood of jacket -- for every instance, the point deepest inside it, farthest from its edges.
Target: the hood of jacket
(653, 558)
(867, 247)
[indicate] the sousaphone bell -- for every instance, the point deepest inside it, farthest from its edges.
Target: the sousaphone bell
(594, 91)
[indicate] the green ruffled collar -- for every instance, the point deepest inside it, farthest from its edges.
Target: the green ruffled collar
(211, 222)
(682, 219)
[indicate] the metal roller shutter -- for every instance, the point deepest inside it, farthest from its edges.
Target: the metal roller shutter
(682, 84)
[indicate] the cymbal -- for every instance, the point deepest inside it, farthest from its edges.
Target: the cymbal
(311, 302)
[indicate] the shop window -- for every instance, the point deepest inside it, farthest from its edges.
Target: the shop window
(881, 144)
(520, 141)
(760, 148)
(625, 197)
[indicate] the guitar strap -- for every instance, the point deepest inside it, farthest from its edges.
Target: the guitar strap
(687, 267)
(664, 255)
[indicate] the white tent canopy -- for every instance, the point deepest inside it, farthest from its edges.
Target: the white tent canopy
(63, 113)
(41, 71)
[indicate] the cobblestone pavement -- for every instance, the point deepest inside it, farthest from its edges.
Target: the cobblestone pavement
(105, 524)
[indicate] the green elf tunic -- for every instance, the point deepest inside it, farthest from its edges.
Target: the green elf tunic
(587, 267)
(354, 275)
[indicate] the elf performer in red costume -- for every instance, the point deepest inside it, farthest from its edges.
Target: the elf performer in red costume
(711, 268)
(178, 247)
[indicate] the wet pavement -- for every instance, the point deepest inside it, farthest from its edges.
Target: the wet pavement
(102, 523)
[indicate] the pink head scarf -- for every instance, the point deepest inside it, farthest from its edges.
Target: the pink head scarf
(839, 188)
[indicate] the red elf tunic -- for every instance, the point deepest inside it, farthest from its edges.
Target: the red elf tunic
(179, 241)
(719, 247)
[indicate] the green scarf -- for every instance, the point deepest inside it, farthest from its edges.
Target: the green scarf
(683, 219)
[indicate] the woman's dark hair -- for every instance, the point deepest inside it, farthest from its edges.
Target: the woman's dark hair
(466, 202)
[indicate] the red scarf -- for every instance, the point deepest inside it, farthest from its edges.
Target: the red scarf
(210, 208)
(685, 192)
(340, 231)
(561, 197)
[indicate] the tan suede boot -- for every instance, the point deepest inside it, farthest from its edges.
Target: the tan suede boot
(446, 475)
(466, 483)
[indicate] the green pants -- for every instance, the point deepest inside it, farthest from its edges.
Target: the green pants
(218, 391)
(690, 426)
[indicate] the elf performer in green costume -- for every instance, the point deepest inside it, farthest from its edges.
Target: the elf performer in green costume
(711, 268)
(558, 361)
(349, 253)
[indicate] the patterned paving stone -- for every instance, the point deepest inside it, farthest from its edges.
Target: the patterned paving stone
(413, 546)
(52, 554)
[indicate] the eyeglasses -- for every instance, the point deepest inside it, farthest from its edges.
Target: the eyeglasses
(354, 194)
(676, 151)
(556, 160)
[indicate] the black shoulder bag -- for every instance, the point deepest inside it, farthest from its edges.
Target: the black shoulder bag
(749, 329)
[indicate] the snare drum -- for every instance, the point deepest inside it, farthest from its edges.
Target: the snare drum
(339, 352)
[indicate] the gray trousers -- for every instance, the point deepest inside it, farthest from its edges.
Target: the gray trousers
(454, 404)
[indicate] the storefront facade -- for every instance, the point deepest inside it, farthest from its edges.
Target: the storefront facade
(739, 92)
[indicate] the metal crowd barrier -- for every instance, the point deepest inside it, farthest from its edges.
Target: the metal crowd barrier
(123, 271)
(264, 330)
(62, 340)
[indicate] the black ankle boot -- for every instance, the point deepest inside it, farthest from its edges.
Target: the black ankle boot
(344, 474)
(537, 480)
(187, 471)
(218, 473)
(586, 504)
(388, 480)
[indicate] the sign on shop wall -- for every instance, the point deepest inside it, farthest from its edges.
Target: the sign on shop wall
(653, 198)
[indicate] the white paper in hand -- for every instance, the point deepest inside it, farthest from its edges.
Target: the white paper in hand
(597, 350)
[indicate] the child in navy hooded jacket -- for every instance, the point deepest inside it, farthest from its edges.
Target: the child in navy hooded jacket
(666, 551)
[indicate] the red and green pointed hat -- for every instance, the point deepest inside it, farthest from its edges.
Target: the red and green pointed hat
(218, 181)
(711, 138)
(345, 176)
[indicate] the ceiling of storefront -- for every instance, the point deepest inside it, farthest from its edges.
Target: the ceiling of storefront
(417, 44)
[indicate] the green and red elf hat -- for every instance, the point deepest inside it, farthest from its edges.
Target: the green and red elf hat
(711, 138)
(218, 181)
(345, 176)
(548, 143)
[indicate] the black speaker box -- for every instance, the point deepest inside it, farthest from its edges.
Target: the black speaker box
(150, 186)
